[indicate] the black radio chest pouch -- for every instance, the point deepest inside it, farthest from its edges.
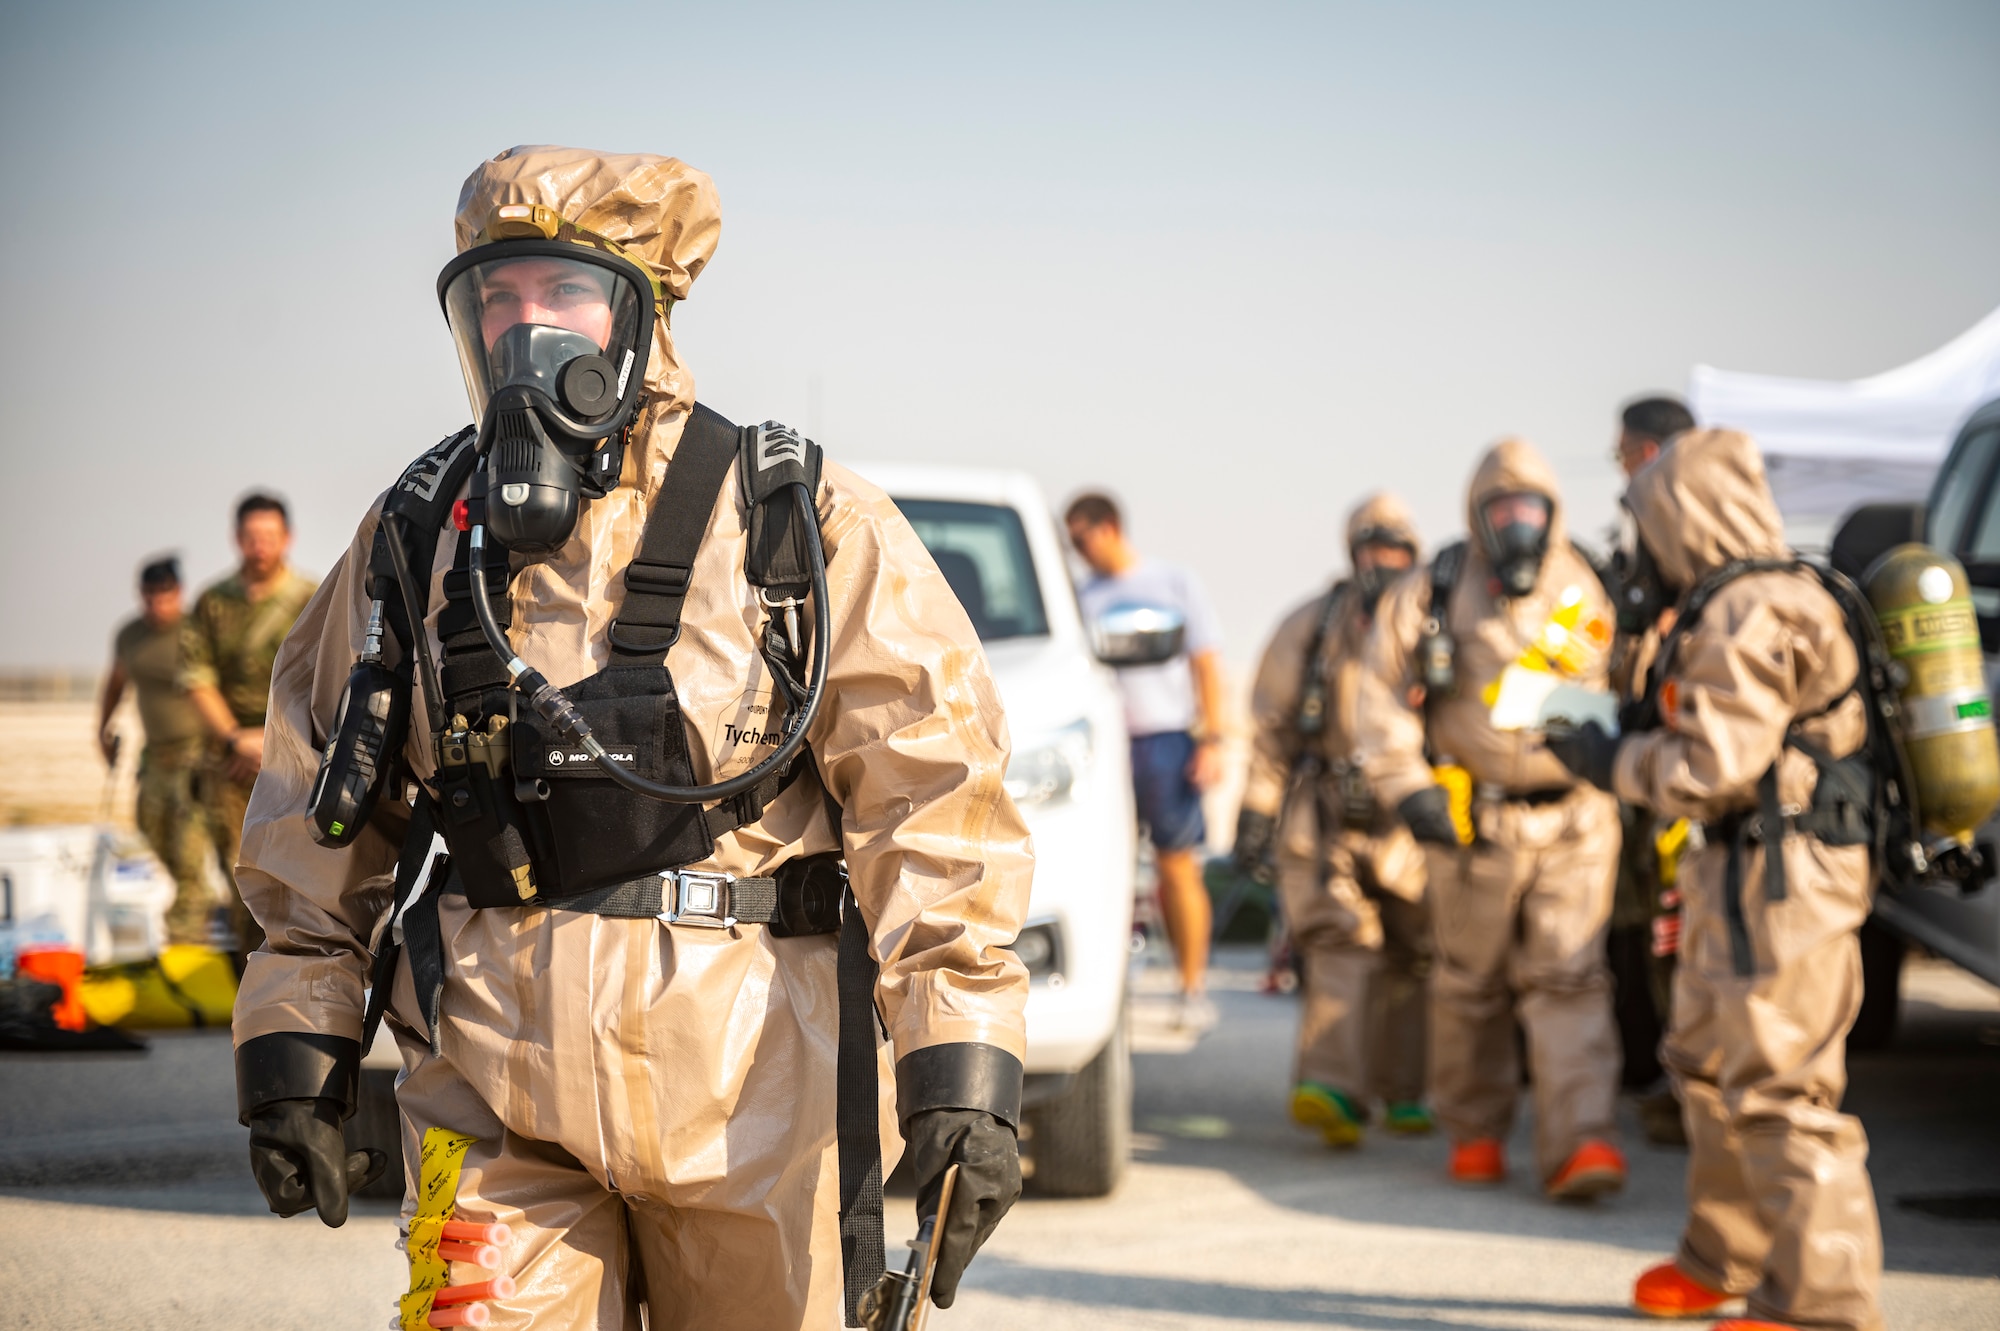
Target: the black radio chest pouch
(600, 833)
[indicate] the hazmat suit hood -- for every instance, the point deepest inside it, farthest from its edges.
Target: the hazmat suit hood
(1515, 466)
(660, 210)
(1383, 517)
(1705, 503)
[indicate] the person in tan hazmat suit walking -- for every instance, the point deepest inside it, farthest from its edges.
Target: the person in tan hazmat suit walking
(1522, 858)
(1779, 1203)
(634, 1068)
(1349, 875)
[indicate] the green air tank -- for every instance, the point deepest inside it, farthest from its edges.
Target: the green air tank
(1924, 604)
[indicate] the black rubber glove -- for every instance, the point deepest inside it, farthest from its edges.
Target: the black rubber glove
(989, 1183)
(1256, 837)
(1586, 750)
(1428, 816)
(302, 1162)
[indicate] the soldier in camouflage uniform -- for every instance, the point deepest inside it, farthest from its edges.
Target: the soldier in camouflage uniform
(147, 655)
(228, 646)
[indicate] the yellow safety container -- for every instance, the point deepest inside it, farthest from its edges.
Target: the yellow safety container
(184, 986)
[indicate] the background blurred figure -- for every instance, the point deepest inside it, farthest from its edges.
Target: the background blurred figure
(1349, 874)
(1647, 425)
(1645, 913)
(1174, 713)
(146, 653)
(229, 644)
(1520, 882)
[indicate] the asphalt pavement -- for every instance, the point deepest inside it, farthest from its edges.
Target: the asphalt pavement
(125, 1202)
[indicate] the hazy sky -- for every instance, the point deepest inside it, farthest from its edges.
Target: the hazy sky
(1241, 264)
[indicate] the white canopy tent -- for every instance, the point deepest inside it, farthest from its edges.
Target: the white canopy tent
(1829, 446)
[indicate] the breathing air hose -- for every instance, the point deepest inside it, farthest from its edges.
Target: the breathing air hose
(561, 713)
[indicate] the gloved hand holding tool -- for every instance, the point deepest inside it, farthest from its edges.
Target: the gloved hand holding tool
(302, 1163)
(1587, 750)
(983, 1155)
(1427, 814)
(898, 1301)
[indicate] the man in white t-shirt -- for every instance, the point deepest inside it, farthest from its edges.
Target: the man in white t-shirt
(1174, 713)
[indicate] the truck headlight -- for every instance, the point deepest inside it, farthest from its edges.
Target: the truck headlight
(1040, 949)
(1050, 768)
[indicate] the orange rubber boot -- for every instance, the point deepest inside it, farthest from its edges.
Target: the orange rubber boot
(1595, 1169)
(1479, 1161)
(1665, 1291)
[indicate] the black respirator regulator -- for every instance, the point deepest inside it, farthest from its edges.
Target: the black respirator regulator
(1515, 549)
(553, 327)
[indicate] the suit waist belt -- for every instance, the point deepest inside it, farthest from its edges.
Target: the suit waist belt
(800, 898)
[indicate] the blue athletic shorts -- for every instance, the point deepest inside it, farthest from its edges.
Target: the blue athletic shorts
(1169, 805)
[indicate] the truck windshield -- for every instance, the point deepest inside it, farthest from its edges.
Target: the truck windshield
(982, 551)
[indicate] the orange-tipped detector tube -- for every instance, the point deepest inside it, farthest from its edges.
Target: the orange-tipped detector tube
(471, 1314)
(465, 1231)
(479, 1254)
(499, 1287)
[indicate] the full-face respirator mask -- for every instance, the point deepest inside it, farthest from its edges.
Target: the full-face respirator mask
(553, 326)
(1643, 594)
(1513, 531)
(1373, 577)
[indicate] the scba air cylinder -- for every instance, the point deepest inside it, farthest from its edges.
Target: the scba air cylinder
(1924, 604)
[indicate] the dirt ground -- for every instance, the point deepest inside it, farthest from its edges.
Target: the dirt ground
(54, 772)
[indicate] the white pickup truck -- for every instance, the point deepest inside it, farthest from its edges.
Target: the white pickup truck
(994, 539)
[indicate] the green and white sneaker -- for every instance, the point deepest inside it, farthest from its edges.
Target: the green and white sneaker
(1408, 1118)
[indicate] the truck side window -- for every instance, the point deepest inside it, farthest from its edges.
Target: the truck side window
(1958, 490)
(982, 551)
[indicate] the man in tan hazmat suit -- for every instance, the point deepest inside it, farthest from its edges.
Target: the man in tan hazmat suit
(1779, 1203)
(1350, 877)
(650, 1098)
(1520, 882)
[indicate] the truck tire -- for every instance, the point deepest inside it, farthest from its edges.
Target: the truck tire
(1080, 1140)
(1881, 987)
(378, 1123)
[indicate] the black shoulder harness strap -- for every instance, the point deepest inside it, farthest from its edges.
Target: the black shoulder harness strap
(656, 581)
(1310, 719)
(417, 507)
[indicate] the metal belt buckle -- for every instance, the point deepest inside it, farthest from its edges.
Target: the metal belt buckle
(697, 898)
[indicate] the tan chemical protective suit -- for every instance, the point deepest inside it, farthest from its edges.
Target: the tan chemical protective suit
(655, 1104)
(1779, 1202)
(1353, 891)
(1519, 917)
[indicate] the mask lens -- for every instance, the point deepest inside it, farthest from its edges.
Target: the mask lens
(1525, 512)
(518, 322)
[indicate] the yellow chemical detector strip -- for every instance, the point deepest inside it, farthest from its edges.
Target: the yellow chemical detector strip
(1670, 845)
(1457, 783)
(437, 1197)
